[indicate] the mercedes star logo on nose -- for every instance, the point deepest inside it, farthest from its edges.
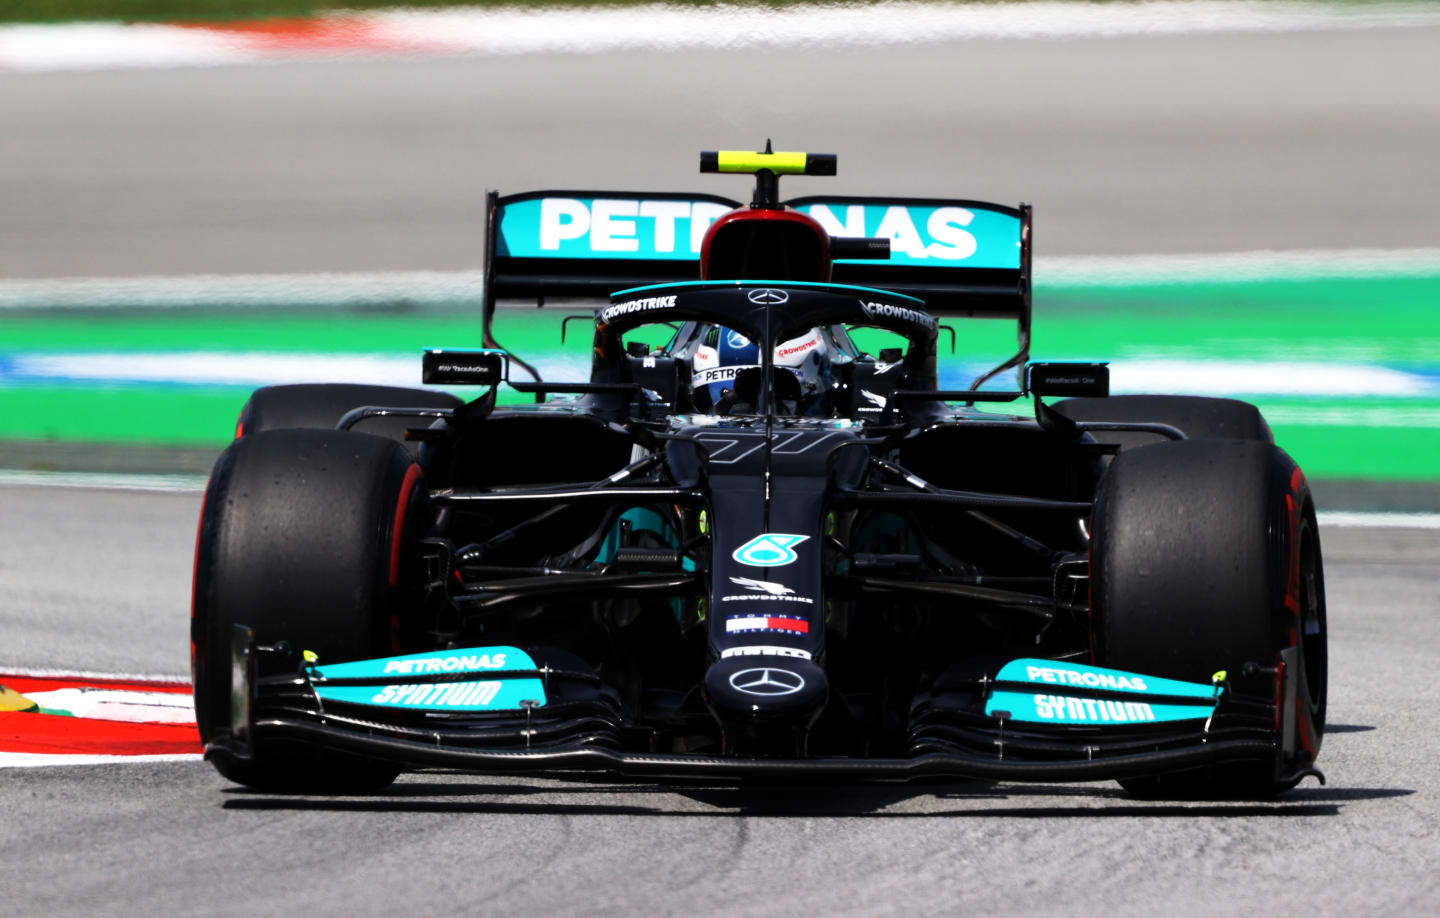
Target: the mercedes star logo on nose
(766, 681)
(768, 296)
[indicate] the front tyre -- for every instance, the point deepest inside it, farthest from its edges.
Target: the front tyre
(1206, 556)
(1200, 417)
(300, 539)
(320, 406)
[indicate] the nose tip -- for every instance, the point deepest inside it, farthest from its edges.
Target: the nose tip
(745, 692)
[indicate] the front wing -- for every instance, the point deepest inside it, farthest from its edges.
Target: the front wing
(584, 737)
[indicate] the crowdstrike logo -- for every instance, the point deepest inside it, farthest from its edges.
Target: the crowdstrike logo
(765, 586)
(644, 304)
(904, 313)
(765, 591)
(767, 682)
(800, 348)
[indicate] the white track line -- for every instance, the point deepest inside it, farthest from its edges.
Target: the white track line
(103, 481)
(249, 291)
(518, 31)
(418, 289)
(1229, 267)
(1342, 519)
(38, 759)
(94, 46)
(30, 672)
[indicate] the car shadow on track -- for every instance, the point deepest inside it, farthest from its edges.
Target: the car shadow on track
(949, 800)
(1331, 729)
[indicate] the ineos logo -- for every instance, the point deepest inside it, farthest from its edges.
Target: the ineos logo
(768, 296)
(767, 682)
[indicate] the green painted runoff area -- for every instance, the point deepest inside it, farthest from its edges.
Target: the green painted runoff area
(1394, 322)
(1389, 320)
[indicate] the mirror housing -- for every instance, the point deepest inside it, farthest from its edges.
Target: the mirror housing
(1068, 379)
(463, 367)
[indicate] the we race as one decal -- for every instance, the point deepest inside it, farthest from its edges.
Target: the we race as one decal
(770, 549)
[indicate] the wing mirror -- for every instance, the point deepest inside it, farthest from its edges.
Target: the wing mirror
(1068, 379)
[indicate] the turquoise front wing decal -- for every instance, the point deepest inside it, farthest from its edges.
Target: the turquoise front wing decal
(1059, 708)
(455, 693)
(1053, 697)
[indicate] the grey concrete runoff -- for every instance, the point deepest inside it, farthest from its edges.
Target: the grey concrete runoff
(1200, 143)
(100, 580)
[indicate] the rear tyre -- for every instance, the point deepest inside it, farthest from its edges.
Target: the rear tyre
(1206, 556)
(1200, 418)
(321, 406)
(299, 539)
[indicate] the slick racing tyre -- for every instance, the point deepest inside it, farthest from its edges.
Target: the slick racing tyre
(300, 539)
(1206, 556)
(322, 405)
(1199, 418)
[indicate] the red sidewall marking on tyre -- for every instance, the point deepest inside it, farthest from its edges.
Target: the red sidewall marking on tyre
(397, 531)
(1292, 582)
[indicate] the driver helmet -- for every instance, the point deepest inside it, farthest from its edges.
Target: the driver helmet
(726, 374)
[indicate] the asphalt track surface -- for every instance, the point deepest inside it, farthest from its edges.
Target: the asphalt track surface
(1213, 143)
(100, 580)
(1126, 146)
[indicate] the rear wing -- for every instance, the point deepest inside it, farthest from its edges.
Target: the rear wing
(963, 258)
(589, 244)
(592, 243)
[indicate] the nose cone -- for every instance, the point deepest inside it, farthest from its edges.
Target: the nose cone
(745, 691)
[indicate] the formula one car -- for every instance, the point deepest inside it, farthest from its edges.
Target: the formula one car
(755, 551)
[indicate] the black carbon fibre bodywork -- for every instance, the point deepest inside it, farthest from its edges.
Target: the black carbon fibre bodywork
(741, 589)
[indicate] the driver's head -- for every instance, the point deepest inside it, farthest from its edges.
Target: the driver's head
(726, 374)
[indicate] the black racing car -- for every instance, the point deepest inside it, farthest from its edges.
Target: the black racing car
(750, 549)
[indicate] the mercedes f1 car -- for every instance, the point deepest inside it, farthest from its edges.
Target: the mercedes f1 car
(747, 548)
